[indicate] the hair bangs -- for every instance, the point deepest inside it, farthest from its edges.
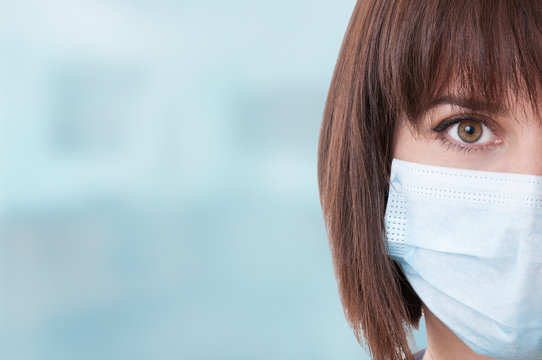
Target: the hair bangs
(462, 48)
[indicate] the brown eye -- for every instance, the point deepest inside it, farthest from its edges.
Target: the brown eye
(469, 131)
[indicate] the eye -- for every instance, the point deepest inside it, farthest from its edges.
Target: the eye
(471, 132)
(468, 133)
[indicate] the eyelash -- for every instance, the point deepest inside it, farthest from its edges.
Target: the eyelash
(443, 126)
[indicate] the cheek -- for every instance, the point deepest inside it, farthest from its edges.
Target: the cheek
(409, 145)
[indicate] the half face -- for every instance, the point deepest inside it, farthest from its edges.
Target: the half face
(462, 133)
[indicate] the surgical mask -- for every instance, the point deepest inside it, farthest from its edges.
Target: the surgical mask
(470, 244)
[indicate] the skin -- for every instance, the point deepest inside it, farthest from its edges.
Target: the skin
(442, 343)
(513, 144)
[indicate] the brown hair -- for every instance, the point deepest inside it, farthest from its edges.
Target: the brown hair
(396, 58)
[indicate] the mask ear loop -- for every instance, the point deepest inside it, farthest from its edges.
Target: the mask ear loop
(396, 185)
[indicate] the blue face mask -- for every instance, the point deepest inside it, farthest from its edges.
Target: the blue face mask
(470, 244)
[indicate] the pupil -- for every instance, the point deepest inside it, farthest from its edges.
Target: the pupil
(469, 129)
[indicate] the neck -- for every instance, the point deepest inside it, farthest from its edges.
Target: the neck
(443, 344)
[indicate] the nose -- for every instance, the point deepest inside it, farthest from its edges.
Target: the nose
(525, 152)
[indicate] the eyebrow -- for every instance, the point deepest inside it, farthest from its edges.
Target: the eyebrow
(470, 104)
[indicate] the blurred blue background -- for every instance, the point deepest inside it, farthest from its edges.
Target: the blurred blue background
(158, 193)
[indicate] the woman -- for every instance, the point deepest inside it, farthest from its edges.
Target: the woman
(430, 176)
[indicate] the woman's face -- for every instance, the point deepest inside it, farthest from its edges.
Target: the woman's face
(460, 133)
(472, 135)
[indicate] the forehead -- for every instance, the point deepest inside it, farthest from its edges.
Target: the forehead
(512, 105)
(499, 101)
